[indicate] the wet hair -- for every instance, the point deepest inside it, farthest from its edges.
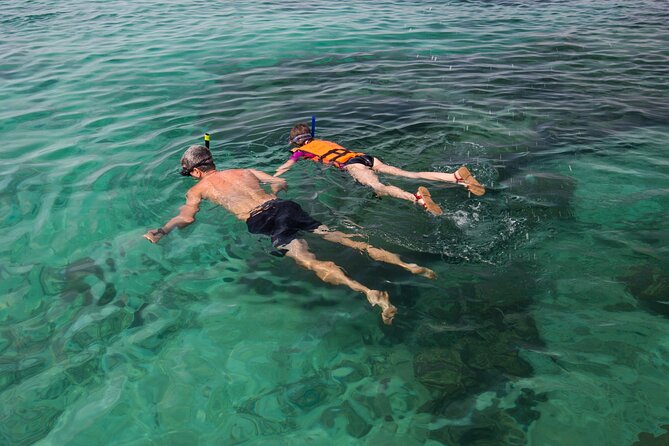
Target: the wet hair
(299, 130)
(198, 156)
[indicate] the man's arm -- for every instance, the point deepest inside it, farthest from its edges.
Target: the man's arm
(284, 167)
(185, 217)
(276, 184)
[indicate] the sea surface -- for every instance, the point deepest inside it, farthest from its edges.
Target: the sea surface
(547, 324)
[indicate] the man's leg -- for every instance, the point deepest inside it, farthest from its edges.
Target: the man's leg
(460, 176)
(377, 254)
(329, 272)
(364, 175)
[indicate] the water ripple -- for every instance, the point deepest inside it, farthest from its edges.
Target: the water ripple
(559, 109)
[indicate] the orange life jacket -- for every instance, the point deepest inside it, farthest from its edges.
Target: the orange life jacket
(327, 152)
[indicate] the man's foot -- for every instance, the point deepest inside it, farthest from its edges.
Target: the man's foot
(421, 271)
(388, 315)
(424, 198)
(463, 176)
(382, 299)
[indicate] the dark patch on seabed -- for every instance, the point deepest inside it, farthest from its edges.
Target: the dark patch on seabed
(462, 347)
(73, 281)
(648, 439)
(469, 345)
(82, 351)
(648, 283)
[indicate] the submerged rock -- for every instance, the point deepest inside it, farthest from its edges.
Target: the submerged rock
(356, 426)
(490, 427)
(442, 369)
(470, 344)
(649, 284)
(75, 281)
(524, 411)
(309, 393)
(647, 439)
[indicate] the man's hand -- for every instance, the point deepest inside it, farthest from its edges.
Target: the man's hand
(154, 235)
(279, 186)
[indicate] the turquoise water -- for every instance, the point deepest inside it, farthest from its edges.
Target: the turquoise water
(547, 324)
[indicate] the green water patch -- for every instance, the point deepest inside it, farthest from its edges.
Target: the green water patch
(648, 283)
(602, 316)
(546, 324)
(468, 347)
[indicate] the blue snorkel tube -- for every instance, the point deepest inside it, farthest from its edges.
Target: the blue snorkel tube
(313, 126)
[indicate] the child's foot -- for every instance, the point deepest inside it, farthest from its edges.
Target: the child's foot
(424, 198)
(463, 176)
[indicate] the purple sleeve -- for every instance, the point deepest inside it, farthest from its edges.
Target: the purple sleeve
(296, 155)
(300, 154)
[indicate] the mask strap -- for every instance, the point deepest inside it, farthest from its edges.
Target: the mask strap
(300, 138)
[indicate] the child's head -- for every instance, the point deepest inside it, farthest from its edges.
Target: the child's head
(300, 134)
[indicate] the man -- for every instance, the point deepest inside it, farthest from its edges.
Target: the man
(239, 191)
(362, 168)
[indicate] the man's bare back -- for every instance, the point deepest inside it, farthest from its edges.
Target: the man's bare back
(237, 190)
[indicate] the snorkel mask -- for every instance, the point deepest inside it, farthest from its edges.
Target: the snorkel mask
(207, 160)
(187, 171)
(300, 139)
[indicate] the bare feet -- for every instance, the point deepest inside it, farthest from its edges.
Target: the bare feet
(382, 299)
(424, 198)
(463, 176)
(388, 315)
(154, 235)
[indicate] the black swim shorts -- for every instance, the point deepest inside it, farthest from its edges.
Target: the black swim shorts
(281, 220)
(366, 160)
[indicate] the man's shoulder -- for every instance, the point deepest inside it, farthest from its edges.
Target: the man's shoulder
(233, 172)
(237, 174)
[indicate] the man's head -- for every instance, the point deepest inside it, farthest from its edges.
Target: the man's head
(198, 159)
(300, 134)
